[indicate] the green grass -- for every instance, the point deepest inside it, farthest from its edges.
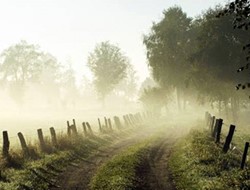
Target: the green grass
(40, 172)
(198, 163)
(120, 172)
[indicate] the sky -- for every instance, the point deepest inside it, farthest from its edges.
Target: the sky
(70, 29)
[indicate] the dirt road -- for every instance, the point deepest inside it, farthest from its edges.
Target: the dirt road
(154, 171)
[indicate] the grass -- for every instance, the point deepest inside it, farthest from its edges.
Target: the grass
(120, 172)
(198, 163)
(40, 169)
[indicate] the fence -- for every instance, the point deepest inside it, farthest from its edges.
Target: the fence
(129, 120)
(215, 127)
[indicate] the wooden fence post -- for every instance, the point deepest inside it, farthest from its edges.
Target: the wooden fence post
(125, 120)
(212, 123)
(53, 136)
(117, 122)
(89, 128)
(41, 139)
(84, 128)
(244, 157)
(23, 144)
(229, 138)
(68, 129)
(218, 131)
(73, 127)
(6, 144)
(109, 123)
(106, 122)
(129, 120)
(213, 132)
(100, 125)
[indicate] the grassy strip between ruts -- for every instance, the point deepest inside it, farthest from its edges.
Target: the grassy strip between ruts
(197, 163)
(120, 172)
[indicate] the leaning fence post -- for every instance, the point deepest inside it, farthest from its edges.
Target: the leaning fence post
(53, 136)
(23, 144)
(229, 138)
(6, 144)
(84, 129)
(41, 139)
(89, 128)
(244, 157)
(218, 131)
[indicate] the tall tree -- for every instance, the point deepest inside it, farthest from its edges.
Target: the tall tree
(167, 49)
(108, 64)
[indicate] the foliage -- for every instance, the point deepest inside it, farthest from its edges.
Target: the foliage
(129, 84)
(168, 47)
(198, 163)
(240, 9)
(25, 63)
(154, 99)
(108, 64)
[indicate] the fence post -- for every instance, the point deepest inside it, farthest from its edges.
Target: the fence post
(23, 144)
(41, 139)
(84, 129)
(89, 128)
(218, 131)
(73, 127)
(117, 122)
(53, 136)
(68, 129)
(129, 120)
(229, 138)
(212, 123)
(109, 123)
(125, 120)
(215, 128)
(106, 122)
(100, 126)
(244, 156)
(6, 144)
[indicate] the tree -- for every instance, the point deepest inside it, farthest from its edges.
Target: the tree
(168, 48)
(69, 91)
(154, 99)
(108, 65)
(25, 63)
(240, 10)
(129, 85)
(216, 60)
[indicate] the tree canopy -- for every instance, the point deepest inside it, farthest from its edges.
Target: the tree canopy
(108, 65)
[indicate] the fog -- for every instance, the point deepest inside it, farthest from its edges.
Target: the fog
(86, 60)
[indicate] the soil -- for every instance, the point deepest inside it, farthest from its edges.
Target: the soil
(153, 172)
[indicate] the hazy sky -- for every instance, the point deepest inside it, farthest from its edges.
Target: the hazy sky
(69, 29)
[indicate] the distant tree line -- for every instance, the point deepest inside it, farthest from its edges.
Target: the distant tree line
(27, 72)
